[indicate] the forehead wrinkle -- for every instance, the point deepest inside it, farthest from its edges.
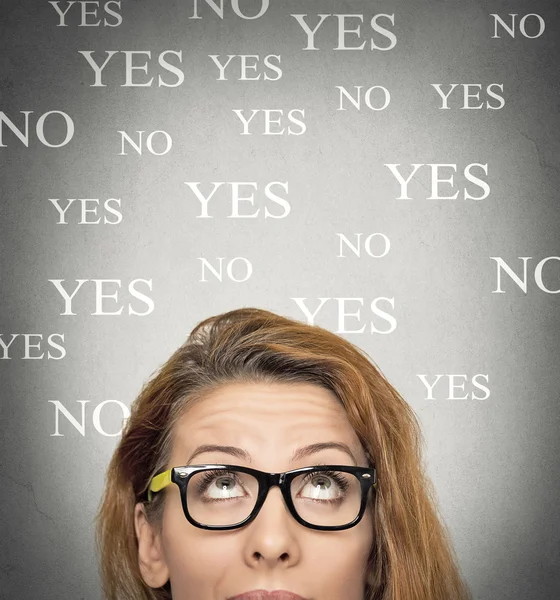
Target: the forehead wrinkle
(266, 405)
(262, 428)
(260, 423)
(230, 423)
(257, 417)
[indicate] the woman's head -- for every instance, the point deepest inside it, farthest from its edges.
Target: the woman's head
(253, 389)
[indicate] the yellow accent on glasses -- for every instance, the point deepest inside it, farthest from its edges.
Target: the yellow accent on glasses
(159, 482)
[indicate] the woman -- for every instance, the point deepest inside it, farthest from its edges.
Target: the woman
(269, 459)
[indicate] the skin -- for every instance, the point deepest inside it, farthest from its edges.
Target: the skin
(274, 551)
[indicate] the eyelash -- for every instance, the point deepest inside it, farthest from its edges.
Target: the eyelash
(209, 476)
(334, 475)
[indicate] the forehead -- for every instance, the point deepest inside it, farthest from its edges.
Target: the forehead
(269, 421)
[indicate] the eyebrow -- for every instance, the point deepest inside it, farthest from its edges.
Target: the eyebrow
(300, 453)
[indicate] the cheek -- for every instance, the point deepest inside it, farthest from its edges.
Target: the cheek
(336, 564)
(198, 561)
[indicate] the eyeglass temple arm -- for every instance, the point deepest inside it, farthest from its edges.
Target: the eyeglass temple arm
(158, 483)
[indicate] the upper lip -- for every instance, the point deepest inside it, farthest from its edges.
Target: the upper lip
(266, 595)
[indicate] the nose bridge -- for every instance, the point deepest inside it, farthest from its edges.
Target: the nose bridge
(275, 480)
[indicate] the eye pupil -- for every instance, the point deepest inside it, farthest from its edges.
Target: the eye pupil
(224, 483)
(322, 482)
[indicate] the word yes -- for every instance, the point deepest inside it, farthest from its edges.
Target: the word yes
(471, 91)
(131, 69)
(101, 295)
(456, 383)
(89, 9)
(92, 209)
(437, 180)
(342, 314)
(273, 118)
(248, 62)
(236, 198)
(28, 345)
(344, 31)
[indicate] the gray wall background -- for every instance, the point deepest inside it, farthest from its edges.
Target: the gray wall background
(494, 462)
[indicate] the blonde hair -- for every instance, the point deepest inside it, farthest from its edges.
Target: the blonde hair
(411, 558)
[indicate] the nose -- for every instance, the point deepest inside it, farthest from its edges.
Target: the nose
(273, 537)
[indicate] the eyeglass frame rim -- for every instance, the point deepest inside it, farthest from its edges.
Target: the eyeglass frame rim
(367, 476)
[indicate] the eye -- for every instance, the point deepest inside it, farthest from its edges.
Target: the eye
(220, 485)
(326, 485)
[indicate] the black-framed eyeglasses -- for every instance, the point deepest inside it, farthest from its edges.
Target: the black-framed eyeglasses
(224, 497)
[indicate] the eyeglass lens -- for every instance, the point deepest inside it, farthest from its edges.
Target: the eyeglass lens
(226, 497)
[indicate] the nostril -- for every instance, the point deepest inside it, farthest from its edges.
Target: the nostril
(284, 557)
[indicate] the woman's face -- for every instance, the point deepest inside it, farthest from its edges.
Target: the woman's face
(268, 422)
